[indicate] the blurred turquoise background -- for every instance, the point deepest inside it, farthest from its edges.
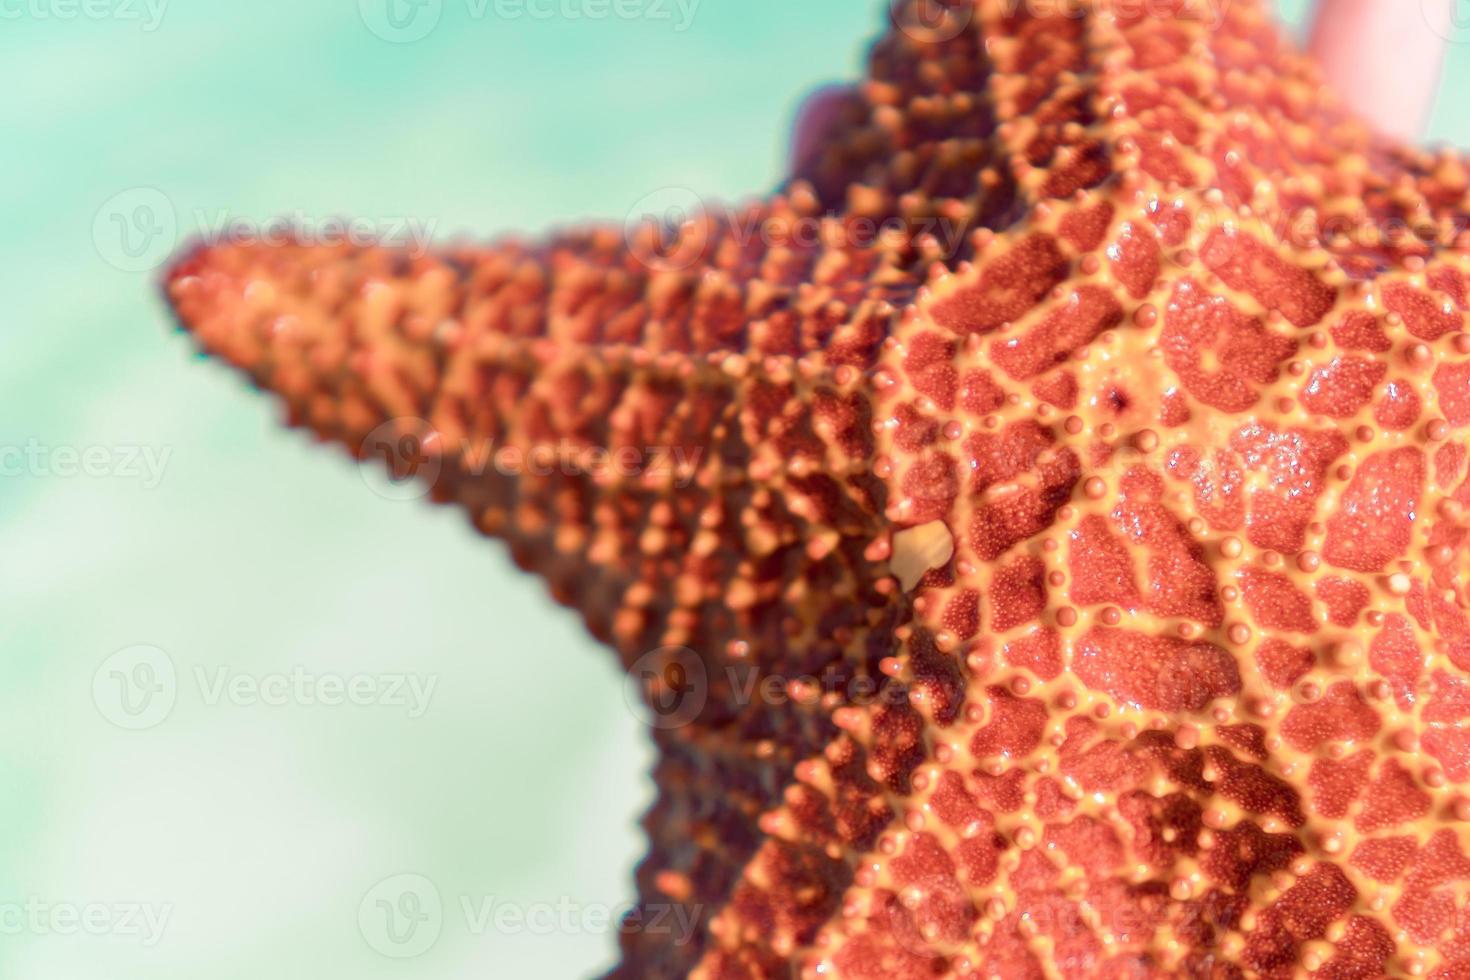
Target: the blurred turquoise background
(182, 584)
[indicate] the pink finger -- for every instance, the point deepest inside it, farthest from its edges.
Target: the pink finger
(1384, 57)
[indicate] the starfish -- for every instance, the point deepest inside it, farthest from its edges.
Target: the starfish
(1038, 527)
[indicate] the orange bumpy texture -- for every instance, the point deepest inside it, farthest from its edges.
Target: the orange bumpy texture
(1073, 576)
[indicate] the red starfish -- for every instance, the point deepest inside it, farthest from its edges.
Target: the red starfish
(1060, 570)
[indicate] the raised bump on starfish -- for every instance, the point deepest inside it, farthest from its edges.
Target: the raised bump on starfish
(1197, 443)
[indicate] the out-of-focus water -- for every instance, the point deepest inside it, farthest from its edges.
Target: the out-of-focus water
(181, 582)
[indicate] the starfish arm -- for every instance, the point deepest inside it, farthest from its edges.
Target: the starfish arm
(671, 430)
(913, 145)
(609, 403)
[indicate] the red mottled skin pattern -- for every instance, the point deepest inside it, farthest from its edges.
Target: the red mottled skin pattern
(1072, 578)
